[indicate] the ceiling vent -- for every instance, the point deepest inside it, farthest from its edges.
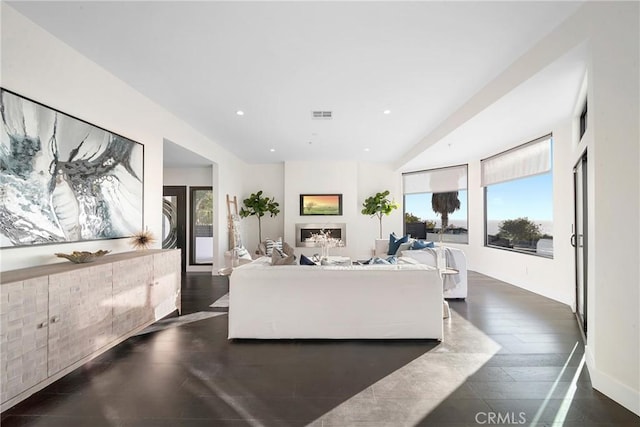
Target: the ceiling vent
(321, 115)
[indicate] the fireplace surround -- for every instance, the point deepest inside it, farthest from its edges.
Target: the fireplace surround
(304, 232)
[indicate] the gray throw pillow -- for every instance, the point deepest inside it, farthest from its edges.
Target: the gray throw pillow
(287, 249)
(280, 258)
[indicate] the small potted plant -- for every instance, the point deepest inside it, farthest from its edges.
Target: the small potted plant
(379, 206)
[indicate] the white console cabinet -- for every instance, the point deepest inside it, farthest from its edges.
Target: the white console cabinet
(56, 317)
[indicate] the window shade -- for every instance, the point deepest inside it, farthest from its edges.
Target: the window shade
(436, 180)
(532, 158)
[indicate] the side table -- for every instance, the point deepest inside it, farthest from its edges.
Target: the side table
(446, 313)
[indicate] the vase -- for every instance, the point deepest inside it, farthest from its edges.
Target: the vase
(325, 251)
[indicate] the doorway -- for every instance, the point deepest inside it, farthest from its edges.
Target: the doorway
(174, 220)
(579, 239)
(201, 220)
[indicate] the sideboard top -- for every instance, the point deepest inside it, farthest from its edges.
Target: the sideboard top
(63, 267)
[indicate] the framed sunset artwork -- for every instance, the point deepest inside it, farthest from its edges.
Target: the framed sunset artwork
(321, 204)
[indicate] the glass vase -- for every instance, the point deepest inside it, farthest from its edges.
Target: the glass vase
(325, 251)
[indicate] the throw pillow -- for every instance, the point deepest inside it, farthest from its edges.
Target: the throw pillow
(280, 258)
(243, 255)
(404, 246)
(270, 244)
(306, 261)
(287, 249)
(420, 244)
(242, 252)
(394, 243)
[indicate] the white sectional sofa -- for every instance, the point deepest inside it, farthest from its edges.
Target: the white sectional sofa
(456, 260)
(360, 301)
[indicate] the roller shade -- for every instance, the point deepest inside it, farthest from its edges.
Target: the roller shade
(441, 180)
(532, 158)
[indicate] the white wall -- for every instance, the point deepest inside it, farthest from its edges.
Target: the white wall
(43, 68)
(355, 181)
(190, 177)
(614, 227)
(270, 179)
(374, 178)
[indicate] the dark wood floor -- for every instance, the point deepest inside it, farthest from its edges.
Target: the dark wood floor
(508, 356)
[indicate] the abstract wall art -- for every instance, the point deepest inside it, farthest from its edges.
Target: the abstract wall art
(63, 179)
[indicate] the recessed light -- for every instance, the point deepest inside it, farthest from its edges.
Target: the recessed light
(240, 113)
(366, 149)
(386, 112)
(272, 149)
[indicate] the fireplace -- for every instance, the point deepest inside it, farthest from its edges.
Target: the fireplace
(304, 232)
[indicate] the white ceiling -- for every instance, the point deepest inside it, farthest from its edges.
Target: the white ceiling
(278, 61)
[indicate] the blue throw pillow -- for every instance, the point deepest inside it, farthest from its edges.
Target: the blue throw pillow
(421, 244)
(394, 243)
(306, 261)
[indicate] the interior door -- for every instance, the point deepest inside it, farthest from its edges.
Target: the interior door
(174, 220)
(579, 239)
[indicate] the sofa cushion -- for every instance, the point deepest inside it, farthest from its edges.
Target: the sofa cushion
(395, 242)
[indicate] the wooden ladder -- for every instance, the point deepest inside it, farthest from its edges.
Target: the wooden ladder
(230, 214)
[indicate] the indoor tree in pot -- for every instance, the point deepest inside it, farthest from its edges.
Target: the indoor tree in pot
(258, 205)
(378, 206)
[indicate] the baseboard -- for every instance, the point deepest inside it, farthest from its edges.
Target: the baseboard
(612, 388)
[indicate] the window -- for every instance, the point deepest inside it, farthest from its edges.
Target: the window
(518, 191)
(201, 240)
(433, 198)
(583, 120)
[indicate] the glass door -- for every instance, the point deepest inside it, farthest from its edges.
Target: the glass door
(579, 239)
(201, 238)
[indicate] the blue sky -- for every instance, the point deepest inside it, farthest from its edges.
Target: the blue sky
(530, 197)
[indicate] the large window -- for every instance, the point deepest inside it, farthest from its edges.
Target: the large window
(435, 204)
(518, 187)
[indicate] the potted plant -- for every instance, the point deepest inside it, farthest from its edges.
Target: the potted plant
(258, 205)
(378, 206)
